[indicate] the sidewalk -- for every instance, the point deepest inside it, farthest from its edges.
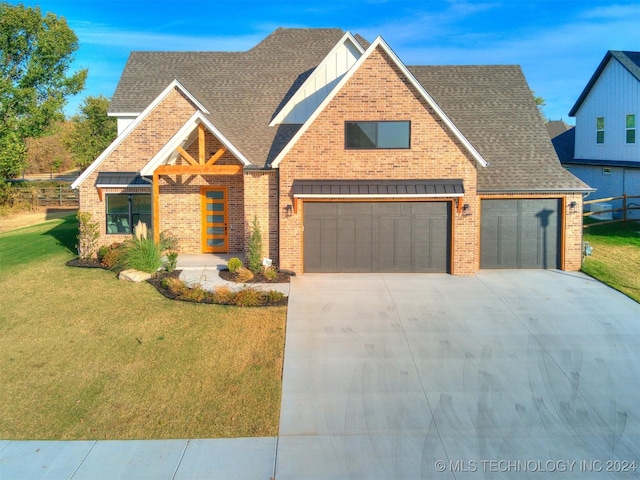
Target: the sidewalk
(204, 270)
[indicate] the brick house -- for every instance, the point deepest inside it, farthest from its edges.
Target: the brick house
(350, 160)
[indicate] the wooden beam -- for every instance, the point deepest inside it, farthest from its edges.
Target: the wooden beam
(100, 194)
(214, 158)
(201, 142)
(186, 156)
(460, 204)
(198, 170)
(156, 206)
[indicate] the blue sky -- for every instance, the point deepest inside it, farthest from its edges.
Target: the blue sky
(558, 43)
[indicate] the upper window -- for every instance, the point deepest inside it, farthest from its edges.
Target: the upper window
(125, 210)
(600, 130)
(631, 128)
(371, 135)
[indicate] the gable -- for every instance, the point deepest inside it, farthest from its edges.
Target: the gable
(629, 61)
(380, 46)
(320, 82)
(151, 130)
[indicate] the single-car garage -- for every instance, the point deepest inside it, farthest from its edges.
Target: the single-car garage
(520, 233)
(391, 236)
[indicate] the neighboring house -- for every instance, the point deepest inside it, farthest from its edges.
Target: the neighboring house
(349, 160)
(607, 113)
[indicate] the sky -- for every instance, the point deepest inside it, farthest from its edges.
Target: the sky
(558, 43)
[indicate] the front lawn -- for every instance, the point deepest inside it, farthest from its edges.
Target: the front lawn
(616, 256)
(86, 356)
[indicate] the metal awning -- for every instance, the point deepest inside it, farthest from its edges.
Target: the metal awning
(122, 179)
(444, 188)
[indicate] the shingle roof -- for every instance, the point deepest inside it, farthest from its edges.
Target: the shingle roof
(491, 105)
(629, 60)
(495, 110)
(241, 90)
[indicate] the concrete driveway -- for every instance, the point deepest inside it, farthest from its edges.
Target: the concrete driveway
(506, 374)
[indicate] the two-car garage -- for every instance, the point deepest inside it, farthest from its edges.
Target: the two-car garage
(377, 236)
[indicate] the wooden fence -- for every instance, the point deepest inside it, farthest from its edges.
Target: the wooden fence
(629, 203)
(52, 196)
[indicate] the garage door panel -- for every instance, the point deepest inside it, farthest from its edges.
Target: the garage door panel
(377, 237)
(522, 233)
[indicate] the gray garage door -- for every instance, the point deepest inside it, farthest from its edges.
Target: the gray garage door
(376, 236)
(520, 234)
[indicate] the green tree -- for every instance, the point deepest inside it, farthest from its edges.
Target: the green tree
(35, 53)
(92, 132)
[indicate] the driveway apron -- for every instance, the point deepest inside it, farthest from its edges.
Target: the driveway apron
(509, 374)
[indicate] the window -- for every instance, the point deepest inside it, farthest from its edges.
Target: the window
(600, 130)
(125, 210)
(631, 128)
(371, 135)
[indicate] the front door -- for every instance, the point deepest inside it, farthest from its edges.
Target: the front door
(214, 219)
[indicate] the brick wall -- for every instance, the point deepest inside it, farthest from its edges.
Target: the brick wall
(378, 91)
(179, 194)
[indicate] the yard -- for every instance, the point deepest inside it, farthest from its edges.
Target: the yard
(85, 356)
(616, 256)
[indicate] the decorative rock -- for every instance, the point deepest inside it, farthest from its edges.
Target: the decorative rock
(134, 276)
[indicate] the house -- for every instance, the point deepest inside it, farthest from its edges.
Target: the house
(607, 148)
(350, 160)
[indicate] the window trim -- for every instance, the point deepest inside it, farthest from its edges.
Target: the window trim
(129, 214)
(600, 131)
(376, 122)
(629, 129)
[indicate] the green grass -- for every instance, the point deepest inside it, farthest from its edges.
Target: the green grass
(86, 356)
(616, 256)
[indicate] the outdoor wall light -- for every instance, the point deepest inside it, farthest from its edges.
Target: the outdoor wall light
(466, 207)
(573, 207)
(288, 210)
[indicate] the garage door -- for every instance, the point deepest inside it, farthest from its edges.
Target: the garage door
(376, 236)
(520, 233)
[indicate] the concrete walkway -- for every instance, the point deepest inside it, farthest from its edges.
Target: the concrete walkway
(506, 374)
(204, 270)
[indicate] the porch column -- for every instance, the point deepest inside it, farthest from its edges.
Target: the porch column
(156, 207)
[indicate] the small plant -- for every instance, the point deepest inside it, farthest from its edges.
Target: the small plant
(102, 251)
(172, 261)
(143, 255)
(174, 285)
(112, 256)
(244, 275)
(88, 235)
(254, 248)
(234, 264)
(270, 273)
(248, 297)
(223, 296)
(274, 296)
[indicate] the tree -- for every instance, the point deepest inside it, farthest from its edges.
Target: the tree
(35, 53)
(92, 132)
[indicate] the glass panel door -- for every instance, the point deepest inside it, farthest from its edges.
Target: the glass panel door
(214, 219)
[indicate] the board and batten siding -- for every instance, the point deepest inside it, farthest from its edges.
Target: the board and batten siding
(614, 95)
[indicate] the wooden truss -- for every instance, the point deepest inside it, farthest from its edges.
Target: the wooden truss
(193, 167)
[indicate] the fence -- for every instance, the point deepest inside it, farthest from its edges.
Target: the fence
(53, 196)
(605, 213)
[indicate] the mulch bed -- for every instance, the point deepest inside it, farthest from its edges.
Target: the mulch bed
(282, 277)
(93, 263)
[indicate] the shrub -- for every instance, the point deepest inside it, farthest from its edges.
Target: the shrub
(223, 296)
(248, 297)
(234, 264)
(270, 273)
(172, 261)
(88, 235)
(112, 256)
(174, 285)
(274, 296)
(102, 251)
(254, 248)
(143, 255)
(244, 274)
(169, 242)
